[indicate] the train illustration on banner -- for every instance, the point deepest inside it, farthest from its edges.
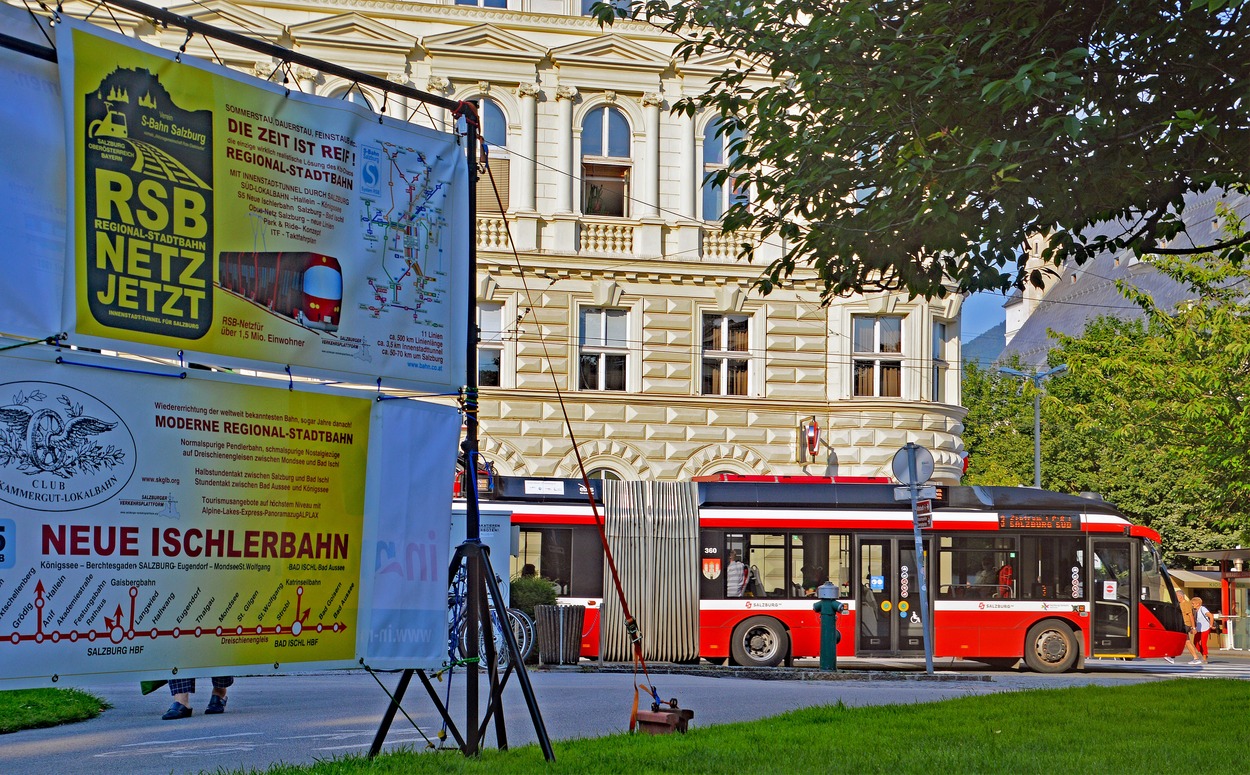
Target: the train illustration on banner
(304, 286)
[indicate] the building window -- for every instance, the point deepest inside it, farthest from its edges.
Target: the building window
(603, 355)
(940, 365)
(484, 3)
(619, 5)
(878, 345)
(605, 163)
(494, 131)
(490, 344)
(606, 474)
(726, 355)
(355, 96)
(718, 153)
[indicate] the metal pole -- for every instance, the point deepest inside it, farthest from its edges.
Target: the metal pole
(1036, 378)
(925, 619)
(473, 531)
(1037, 435)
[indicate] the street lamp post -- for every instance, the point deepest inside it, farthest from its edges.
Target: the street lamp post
(1036, 378)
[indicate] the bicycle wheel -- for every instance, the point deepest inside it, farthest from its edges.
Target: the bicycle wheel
(523, 631)
(497, 639)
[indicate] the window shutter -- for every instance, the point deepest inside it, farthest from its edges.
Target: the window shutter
(486, 202)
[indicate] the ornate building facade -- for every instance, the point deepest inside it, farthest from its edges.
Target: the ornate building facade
(623, 291)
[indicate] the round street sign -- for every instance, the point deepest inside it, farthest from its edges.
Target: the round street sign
(924, 465)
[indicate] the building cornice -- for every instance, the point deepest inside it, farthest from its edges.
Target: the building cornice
(471, 15)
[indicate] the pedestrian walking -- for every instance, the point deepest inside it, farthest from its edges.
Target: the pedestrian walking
(1187, 612)
(1203, 622)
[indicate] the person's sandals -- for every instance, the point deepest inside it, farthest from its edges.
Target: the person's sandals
(215, 705)
(176, 711)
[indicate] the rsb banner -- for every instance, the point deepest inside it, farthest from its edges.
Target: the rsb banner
(159, 526)
(216, 213)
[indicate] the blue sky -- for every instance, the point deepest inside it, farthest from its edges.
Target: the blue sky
(981, 312)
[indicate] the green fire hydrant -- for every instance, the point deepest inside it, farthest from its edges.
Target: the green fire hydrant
(829, 607)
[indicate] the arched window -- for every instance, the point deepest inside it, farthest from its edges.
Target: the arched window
(494, 125)
(606, 474)
(354, 95)
(494, 130)
(605, 163)
(719, 153)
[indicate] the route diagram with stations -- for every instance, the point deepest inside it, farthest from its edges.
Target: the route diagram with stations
(406, 228)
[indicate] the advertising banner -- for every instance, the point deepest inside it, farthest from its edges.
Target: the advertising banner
(158, 525)
(221, 214)
(412, 467)
(32, 176)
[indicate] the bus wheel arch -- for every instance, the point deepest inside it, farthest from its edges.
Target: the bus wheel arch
(759, 641)
(1051, 646)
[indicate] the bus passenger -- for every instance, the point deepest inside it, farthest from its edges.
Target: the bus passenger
(735, 575)
(813, 578)
(988, 579)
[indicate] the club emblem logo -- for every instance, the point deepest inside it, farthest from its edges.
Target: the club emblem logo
(60, 448)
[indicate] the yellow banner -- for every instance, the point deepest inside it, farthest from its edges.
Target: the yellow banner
(226, 215)
(162, 526)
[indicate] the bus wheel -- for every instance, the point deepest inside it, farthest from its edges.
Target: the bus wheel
(760, 641)
(1050, 648)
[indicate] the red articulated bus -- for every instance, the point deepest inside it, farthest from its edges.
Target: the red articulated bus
(303, 286)
(730, 575)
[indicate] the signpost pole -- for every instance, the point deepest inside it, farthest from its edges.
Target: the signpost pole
(925, 619)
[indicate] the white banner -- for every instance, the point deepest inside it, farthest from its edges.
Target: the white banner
(32, 177)
(218, 213)
(408, 493)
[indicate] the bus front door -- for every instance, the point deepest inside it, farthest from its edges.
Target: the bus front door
(1115, 598)
(888, 599)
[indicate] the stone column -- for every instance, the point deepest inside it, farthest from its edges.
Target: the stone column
(564, 149)
(437, 84)
(691, 170)
(649, 177)
(525, 222)
(689, 230)
(564, 221)
(397, 104)
(307, 78)
(525, 160)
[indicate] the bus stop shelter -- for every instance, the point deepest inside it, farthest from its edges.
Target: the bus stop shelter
(1232, 564)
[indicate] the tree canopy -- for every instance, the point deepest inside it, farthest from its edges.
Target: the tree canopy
(1153, 414)
(911, 145)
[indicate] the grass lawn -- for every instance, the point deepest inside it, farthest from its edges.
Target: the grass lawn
(33, 708)
(1183, 725)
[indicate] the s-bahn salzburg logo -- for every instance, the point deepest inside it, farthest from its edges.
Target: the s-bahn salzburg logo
(60, 449)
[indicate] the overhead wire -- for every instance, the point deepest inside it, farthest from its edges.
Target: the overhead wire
(631, 624)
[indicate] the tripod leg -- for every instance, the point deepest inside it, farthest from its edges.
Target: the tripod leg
(389, 716)
(527, 689)
(442, 709)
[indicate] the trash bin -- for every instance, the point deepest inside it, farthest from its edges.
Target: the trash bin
(559, 633)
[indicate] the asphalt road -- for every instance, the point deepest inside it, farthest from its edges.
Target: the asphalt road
(316, 716)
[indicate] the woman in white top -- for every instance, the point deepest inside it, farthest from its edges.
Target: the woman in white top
(1203, 622)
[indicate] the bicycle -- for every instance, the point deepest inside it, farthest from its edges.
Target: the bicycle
(518, 621)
